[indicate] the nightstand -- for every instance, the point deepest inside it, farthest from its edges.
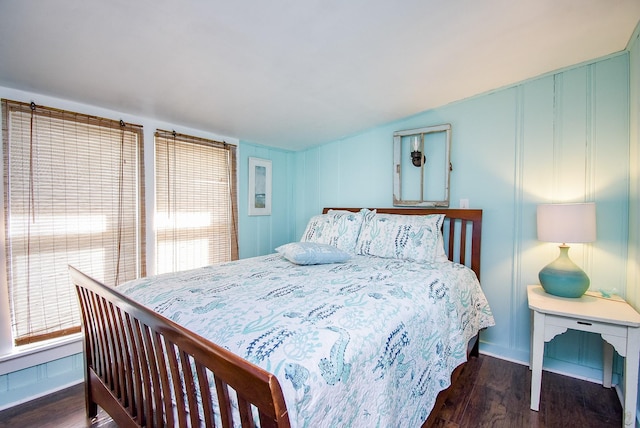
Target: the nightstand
(614, 319)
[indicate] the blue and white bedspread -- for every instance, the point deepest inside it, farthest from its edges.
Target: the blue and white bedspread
(369, 342)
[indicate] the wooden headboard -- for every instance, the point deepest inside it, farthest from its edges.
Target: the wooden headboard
(462, 241)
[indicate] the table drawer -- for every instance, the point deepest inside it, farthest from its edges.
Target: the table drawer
(586, 325)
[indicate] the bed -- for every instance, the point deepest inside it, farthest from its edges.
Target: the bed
(373, 339)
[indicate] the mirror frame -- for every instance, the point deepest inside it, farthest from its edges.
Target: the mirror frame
(397, 173)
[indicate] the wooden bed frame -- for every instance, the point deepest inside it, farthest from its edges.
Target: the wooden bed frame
(145, 370)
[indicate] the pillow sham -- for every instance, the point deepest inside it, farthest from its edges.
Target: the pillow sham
(441, 254)
(318, 229)
(312, 253)
(407, 237)
(337, 227)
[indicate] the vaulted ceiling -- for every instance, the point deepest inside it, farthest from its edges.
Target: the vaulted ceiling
(295, 73)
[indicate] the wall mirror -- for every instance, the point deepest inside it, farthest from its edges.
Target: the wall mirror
(422, 166)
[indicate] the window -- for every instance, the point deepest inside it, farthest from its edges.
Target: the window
(73, 194)
(196, 208)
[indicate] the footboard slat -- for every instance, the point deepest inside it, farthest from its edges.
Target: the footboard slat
(88, 351)
(205, 393)
(175, 377)
(245, 412)
(120, 355)
(128, 399)
(139, 363)
(162, 350)
(225, 404)
(99, 350)
(185, 362)
(136, 408)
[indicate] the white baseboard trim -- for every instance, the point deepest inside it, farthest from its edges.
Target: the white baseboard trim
(22, 357)
(40, 395)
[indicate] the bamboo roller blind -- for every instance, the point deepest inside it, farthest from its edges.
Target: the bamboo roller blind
(196, 208)
(73, 194)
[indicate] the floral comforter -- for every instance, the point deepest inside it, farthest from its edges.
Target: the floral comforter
(365, 343)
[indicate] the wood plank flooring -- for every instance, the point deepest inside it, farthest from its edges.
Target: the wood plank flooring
(492, 393)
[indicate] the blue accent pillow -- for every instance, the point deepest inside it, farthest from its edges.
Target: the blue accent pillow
(312, 253)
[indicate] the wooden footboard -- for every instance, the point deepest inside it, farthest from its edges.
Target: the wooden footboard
(145, 370)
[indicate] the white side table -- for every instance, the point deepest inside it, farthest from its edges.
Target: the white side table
(615, 320)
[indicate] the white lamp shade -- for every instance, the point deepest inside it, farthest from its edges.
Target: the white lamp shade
(567, 223)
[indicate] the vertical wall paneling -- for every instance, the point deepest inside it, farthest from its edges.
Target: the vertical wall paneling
(557, 132)
(329, 154)
(591, 114)
(590, 159)
(633, 255)
(611, 154)
(537, 158)
(633, 258)
(518, 197)
(260, 235)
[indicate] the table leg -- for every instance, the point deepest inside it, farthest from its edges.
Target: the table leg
(631, 376)
(607, 363)
(531, 341)
(537, 352)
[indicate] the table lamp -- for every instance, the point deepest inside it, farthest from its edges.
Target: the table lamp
(565, 223)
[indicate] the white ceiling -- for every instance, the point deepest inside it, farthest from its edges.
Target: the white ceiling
(295, 73)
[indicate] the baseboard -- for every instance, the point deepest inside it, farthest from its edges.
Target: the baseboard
(40, 394)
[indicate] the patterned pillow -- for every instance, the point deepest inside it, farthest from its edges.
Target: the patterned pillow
(408, 237)
(318, 229)
(312, 253)
(441, 254)
(337, 228)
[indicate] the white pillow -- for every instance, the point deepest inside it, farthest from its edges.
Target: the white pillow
(312, 253)
(408, 237)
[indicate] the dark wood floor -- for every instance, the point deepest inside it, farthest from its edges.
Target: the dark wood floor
(493, 393)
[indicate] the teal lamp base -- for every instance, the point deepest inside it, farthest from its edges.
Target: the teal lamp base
(562, 277)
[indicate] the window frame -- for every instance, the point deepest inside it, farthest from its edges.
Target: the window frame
(13, 358)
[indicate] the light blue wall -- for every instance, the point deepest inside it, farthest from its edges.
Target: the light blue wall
(262, 234)
(633, 259)
(633, 278)
(561, 137)
(33, 382)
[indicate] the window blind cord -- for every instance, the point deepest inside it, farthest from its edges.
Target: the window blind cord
(234, 234)
(169, 174)
(31, 214)
(120, 204)
(172, 157)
